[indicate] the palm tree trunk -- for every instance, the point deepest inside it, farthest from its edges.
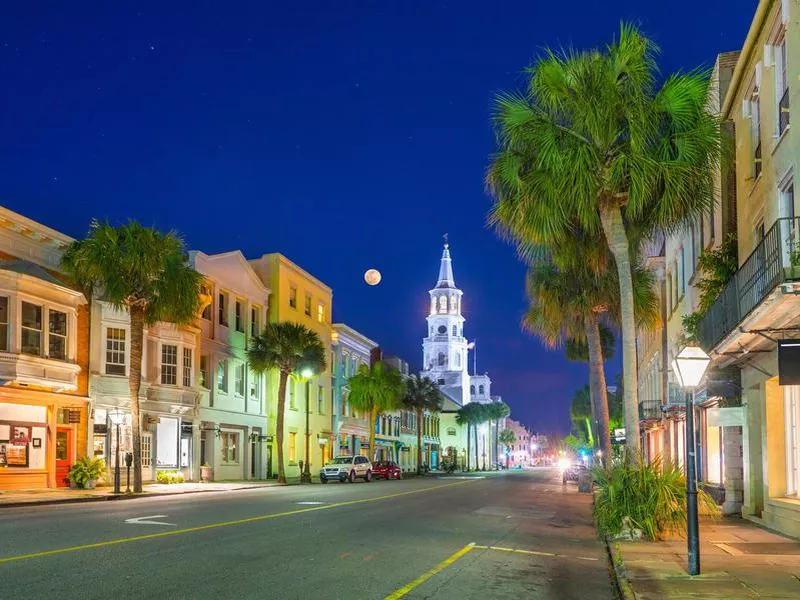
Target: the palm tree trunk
(469, 453)
(419, 442)
(477, 459)
(282, 380)
(134, 384)
(599, 393)
(373, 416)
(614, 230)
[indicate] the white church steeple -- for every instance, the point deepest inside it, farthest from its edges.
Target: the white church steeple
(445, 347)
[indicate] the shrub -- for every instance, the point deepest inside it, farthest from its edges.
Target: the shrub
(169, 477)
(85, 470)
(652, 496)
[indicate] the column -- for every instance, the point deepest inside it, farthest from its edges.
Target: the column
(734, 475)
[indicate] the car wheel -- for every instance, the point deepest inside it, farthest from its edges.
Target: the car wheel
(399, 475)
(323, 479)
(352, 477)
(368, 476)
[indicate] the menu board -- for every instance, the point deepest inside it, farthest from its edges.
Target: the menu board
(12, 455)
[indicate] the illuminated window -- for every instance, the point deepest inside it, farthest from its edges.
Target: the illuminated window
(204, 371)
(293, 297)
(115, 351)
(187, 367)
(292, 446)
(442, 304)
(321, 312)
(229, 443)
(31, 329)
(169, 364)
(57, 346)
(223, 309)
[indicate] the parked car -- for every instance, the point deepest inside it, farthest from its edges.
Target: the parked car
(387, 469)
(573, 472)
(346, 468)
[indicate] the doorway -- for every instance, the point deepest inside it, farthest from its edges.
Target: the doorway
(64, 455)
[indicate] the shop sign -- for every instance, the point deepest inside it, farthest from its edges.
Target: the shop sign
(74, 415)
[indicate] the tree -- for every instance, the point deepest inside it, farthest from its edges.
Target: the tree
(466, 417)
(143, 271)
(593, 141)
(375, 390)
(580, 411)
(497, 411)
(422, 395)
(507, 438)
(290, 348)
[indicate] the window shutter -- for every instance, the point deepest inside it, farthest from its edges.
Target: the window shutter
(768, 56)
(758, 76)
(785, 11)
(746, 109)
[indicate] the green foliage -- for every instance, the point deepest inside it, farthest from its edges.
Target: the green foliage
(578, 350)
(575, 443)
(86, 469)
(169, 477)
(287, 347)
(690, 323)
(716, 267)
(377, 389)
(507, 437)
(422, 394)
(652, 495)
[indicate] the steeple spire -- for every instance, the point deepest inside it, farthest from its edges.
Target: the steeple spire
(446, 268)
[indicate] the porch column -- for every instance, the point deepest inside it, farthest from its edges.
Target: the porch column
(734, 476)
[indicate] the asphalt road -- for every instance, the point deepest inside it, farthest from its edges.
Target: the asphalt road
(511, 535)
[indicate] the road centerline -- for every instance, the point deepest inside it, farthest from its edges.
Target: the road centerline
(208, 526)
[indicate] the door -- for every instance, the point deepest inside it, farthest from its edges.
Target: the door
(64, 455)
(253, 459)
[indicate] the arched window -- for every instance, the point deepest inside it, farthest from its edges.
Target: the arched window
(442, 304)
(458, 359)
(453, 303)
(442, 359)
(455, 330)
(480, 390)
(472, 390)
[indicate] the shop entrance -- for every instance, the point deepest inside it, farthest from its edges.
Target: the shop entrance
(64, 455)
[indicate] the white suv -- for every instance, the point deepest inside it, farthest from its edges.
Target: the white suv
(346, 468)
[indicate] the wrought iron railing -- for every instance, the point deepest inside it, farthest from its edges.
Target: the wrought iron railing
(649, 410)
(783, 107)
(772, 262)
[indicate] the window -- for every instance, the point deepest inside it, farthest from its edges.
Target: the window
(167, 434)
(223, 309)
(321, 400)
(292, 394)
(169, 364)
(187, 367)
(255, 386)
(782, 84)
(353, 366)
(229, 444)
(206, 291)
(442, 359)
(308, 305)
(222, 375)
(321, 312)
(683, 271)
(239, 318)
(293, 297)
(57, 328)
(115, 351)
(204, 371)
(292, 447)
(31, 329)
(254, 321)
(455, 330)
(480, 390)
(440, 382)
(755, 132)
(458, 359)
(442, 304)
(472, 390)
(238, 379)
(3, 324)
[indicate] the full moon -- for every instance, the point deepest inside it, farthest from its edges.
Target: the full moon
(372, 277)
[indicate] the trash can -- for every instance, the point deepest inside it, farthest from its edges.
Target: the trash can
(585, 482)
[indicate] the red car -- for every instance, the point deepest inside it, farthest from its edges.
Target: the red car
(386, 469)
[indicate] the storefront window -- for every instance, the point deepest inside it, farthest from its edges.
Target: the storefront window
(167, 442)
(714, 453)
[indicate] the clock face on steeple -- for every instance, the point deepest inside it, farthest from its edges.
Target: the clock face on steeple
(442, 329)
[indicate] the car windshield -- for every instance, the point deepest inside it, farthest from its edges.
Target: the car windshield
(383, 463)
(342, 460)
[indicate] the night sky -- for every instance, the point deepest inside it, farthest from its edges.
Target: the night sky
(346, 135)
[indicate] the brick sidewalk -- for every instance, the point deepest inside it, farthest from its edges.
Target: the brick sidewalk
(738, 560)
(67, 495)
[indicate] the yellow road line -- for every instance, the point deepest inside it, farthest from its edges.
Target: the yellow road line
(399, 593)
(151, 536)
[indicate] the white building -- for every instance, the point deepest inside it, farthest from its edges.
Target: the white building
(233, 406)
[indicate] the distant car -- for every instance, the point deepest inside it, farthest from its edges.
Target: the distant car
(346, 468)
(387, 469)
(573, 472)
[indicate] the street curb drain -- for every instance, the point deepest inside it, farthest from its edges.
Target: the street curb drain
(618, 574)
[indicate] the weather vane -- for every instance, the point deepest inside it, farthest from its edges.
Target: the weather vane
(445, 239)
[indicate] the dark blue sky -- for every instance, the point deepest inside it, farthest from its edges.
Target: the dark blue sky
(346, 135)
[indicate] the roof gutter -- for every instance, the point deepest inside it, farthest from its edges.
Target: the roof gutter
(749, 44)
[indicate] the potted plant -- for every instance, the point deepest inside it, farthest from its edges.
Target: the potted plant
(85, 473)
(206, 473)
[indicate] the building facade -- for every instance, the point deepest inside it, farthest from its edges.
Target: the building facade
(44, 358)
(233, 402)
(299, 297)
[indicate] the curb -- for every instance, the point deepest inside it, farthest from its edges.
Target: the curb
(619, 575)
(120, 497)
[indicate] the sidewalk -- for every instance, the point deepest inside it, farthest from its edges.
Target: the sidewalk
(738, 560)
(67, 495)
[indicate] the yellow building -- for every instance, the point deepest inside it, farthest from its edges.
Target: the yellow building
(760, 305)
(299, 297)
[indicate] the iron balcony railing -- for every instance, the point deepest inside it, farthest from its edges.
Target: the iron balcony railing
(783, 117)
(773, 261)
(650, 410)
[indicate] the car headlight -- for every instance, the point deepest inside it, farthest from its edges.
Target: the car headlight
(563, 463)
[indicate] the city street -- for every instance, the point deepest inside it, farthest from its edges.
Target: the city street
(508, 535)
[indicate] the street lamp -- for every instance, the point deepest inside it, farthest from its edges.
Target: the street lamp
(307, 373)
(689, 367)
(117, 417)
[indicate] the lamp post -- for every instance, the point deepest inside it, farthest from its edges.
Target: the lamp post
(116, 416)
(689, 367)
(305, 476)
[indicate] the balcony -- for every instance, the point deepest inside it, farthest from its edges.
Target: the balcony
(753, 294)
(650, 410)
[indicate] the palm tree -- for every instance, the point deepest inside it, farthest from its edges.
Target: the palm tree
(484, 415)
(422, 395)
(465, 418)
(290, 348)
(594, 141)
(507, 437)
(375, 390)
(143, 271)
(497, 410)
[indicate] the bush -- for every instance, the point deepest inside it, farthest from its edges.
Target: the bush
(169, 477)
(85, 470)
(652, 496)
